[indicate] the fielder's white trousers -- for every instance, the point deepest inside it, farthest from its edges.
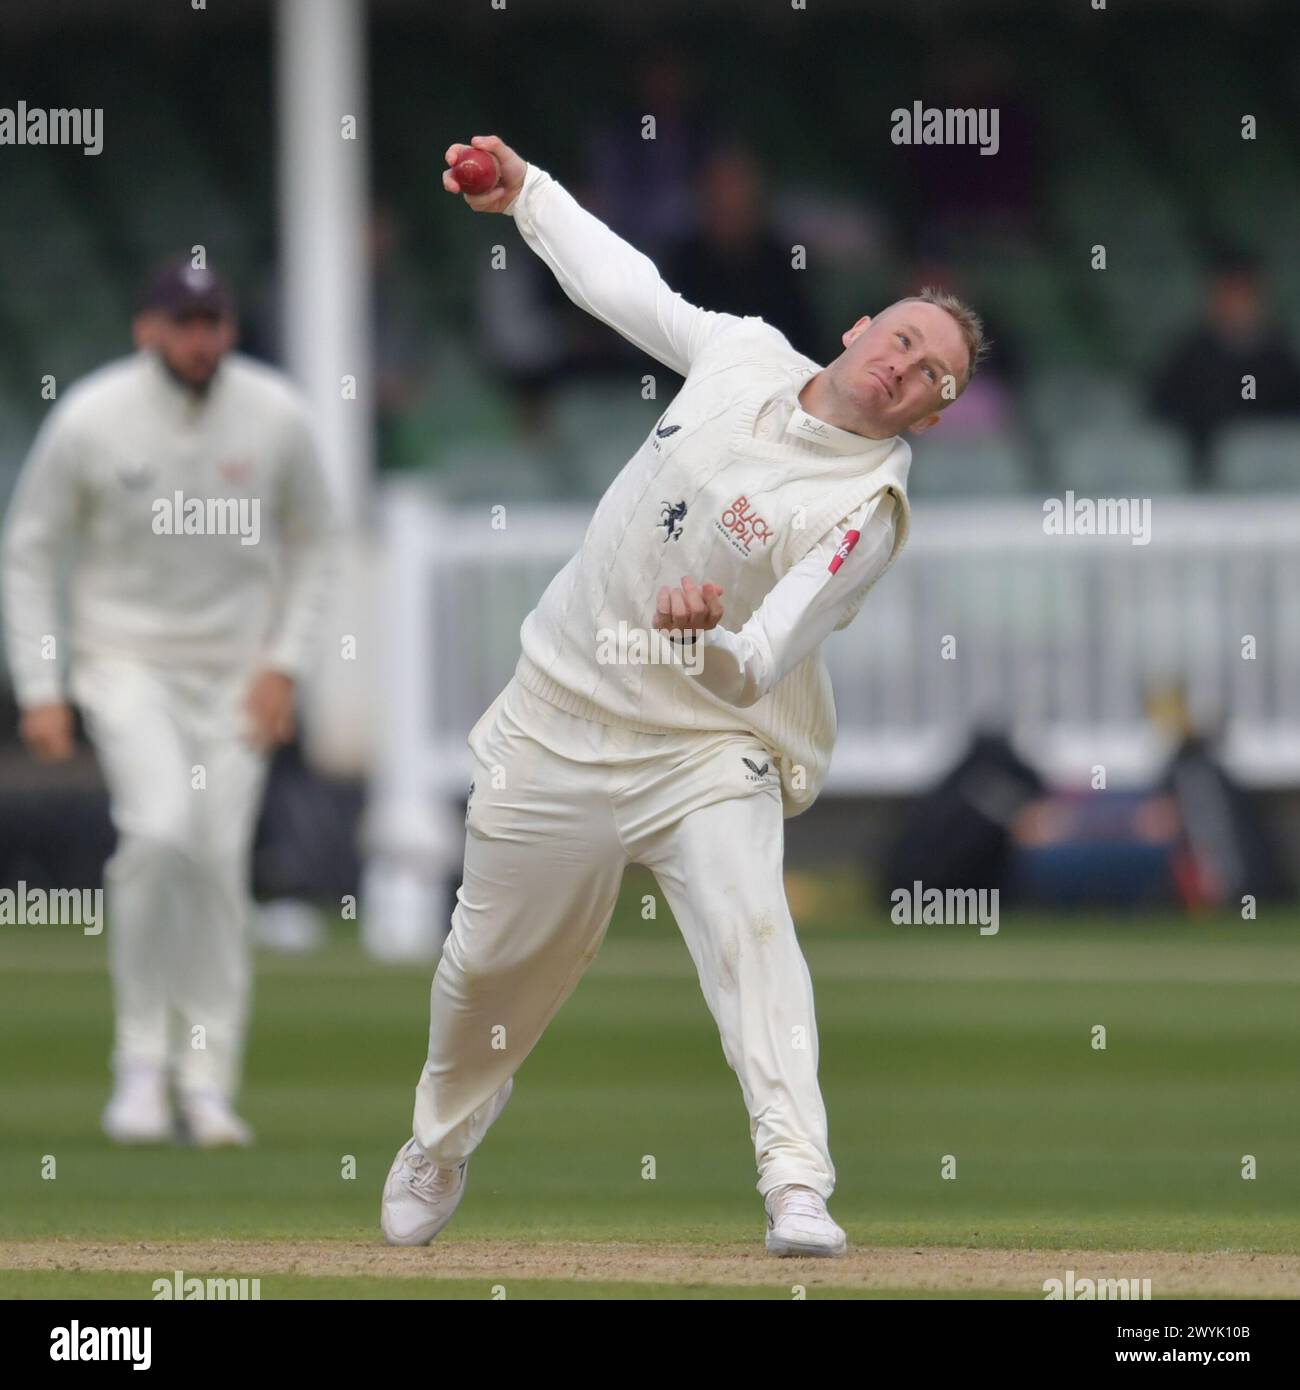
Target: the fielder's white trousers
(184, 792)
(549, 833)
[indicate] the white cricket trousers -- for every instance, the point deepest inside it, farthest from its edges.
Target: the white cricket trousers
(548, 835)
(184, 792)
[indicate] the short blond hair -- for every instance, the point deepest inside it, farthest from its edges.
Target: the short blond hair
(970, 323)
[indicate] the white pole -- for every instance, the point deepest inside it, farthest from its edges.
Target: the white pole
(324, 131)
(325, 294)
(412, 839)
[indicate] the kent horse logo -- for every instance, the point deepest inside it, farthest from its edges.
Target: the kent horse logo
(671, 517)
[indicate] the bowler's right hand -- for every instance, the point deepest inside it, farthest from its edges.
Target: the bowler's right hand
(513, 170)
(47, 732)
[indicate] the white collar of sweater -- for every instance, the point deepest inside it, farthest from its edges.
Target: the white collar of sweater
(804, 433)
(801, 425)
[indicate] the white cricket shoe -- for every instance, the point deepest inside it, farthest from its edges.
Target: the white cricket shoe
(799, 1224)
(419, 1197)
(212, 1124)
(138, 1111)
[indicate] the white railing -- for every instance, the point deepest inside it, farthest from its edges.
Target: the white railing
(986, 620)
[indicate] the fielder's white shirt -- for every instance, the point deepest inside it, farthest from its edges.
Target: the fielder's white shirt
(114, 471)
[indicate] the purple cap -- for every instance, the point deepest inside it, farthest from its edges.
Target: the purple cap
(178, 288)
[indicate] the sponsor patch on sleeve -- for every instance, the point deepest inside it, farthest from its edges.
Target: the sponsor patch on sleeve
(842, 554)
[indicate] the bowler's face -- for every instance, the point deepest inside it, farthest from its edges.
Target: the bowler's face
(894, 366)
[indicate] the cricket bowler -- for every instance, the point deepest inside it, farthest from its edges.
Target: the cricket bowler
(774, 483)
(179, 492)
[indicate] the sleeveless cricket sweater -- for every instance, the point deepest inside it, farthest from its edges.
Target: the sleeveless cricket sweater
(704, 497)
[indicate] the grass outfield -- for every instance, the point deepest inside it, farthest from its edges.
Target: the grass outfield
(934, 1041)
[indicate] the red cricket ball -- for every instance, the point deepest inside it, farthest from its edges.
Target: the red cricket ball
(476, 172)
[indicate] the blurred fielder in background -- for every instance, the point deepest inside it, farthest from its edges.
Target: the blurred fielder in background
(182, 486)
(786, 484)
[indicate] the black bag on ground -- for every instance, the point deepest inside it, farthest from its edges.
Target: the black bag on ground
(957, 835)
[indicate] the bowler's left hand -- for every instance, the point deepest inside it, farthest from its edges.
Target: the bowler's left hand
(690, 608)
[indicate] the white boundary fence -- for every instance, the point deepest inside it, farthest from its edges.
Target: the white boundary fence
(1056, 638)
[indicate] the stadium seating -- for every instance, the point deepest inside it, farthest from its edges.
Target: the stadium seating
(598, 428)
(1259, 456)
(993, 467)
(1119, 460)
(1070, 398)
(1156, 171)
(495, 472)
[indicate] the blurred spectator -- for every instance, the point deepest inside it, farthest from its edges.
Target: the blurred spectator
(1224, 852)
(642, 188)
(958, 833)
(730, 260)
(1200, 386)
(961, 192)
(395, 336)
(1192, 837)
(525, 327)
(534, 339)
(734, 261)
(1075, 848)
